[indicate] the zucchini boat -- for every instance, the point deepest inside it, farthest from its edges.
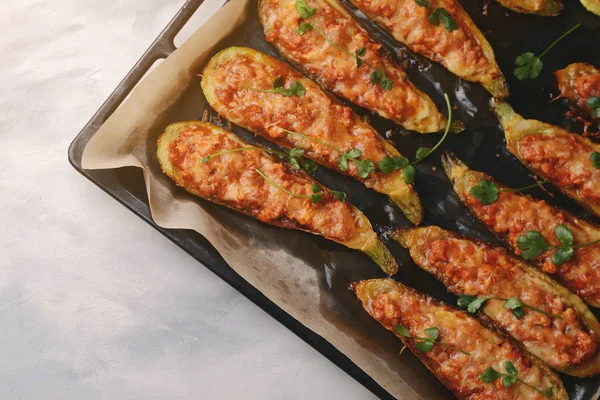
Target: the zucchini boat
(592, 6)
(513, 214)
(214, 164)
(323, 40)
(551, 322)
(457, 348)
(464, 51)
(578, 83)
(543, 8)
(567, 160)
(237, 83)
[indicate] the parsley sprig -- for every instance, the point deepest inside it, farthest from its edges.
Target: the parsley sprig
(439, 14)
(295, 157)
(510, 377)
(393, 163)
(295, 89)
(377, 77)
(593, 103)
(595, 157)
(317, 190)
(533, 244)
(487, 191)
(529, 65)
(473, 304)
(364, 167)
(425, 344)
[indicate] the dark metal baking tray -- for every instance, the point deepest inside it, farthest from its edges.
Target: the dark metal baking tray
(126, 185)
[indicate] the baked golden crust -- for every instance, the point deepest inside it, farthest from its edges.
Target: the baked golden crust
(592, 6)
(514, 214)
(566, 338)
(392, 303)
(338, 72)
(228, 82)
(234, 180)
(544, 8)
(577, 83)
(465, 52)
(561, 157)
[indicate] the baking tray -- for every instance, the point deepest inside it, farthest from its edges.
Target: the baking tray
(126, 185)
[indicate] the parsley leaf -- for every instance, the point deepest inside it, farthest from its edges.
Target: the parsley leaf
(486, 191)
(446, 18)
(423, 3)
(308, 165)
(402, 331)
(595, 157)
(532, 244)
(296, 152)
(593, 102)
(471, 303)
(342, 163)
(364, 167)
(409, 174)
(509, 380)
(295, 89)
(516, 306)
(390, 164)
(529, 65)
(304, 10)
(433, 333)
(509, 367)
(341, 196)
(464, 300)
(424, 346)
(423, 152)
(562, 255)
(564, 234)
(303, 28)
(490, 375)
(376, 76)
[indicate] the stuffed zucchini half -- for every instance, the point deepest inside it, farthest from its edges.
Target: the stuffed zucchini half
(323, 40)
(579, 83)
(460, 350)
(214, 164)
(464, 51)
(238, 84)
(551, 322)
(592, 6)
(513, 215)
(543, 8)
(567, 160)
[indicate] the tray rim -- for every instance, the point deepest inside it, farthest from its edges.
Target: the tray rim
(161, 48)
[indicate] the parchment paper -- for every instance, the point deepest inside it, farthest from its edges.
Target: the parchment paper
(305, 275)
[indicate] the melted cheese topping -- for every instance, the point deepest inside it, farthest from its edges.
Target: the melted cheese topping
(478, 270)
(514, 214)
(459, 51)
(578, 82)
(461, 373)
(564, 160)
(526, 6)
(315, 114)
(338, 71)
(231, 179)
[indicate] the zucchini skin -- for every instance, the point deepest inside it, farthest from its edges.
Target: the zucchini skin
(516, 128)
(592, 6)
(463, 179)
(320, 111)
(416, 240)
(451, 321)
(578, 82)
(404, 103)
(542, 8)
(465, 52)
(363, 239)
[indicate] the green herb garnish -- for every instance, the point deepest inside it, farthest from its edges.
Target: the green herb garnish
(533, 244)
(595, 157)
(593, 104)
(377, 77)
(529, 65)
(510, 377)
(364, 167)
(295, 157)
(295, 89)
(473, 304)
(439, 14)
(425, 344)
(315, 197)
(487, 192)
(393, 163)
